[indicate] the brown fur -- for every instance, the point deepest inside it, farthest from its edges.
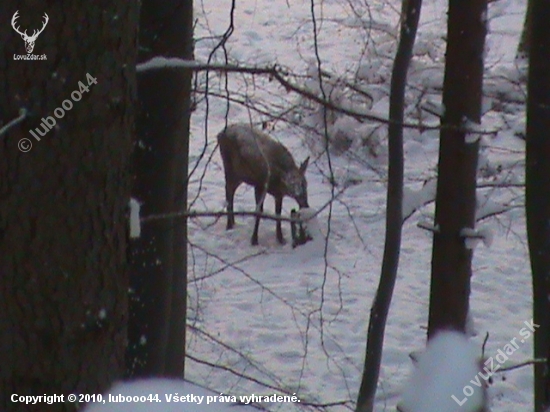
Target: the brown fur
(253, 157)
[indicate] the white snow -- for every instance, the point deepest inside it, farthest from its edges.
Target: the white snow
(12, 123)
(473, 130)
(471, 237)
(415, 199)
(316, 246)
(444, 372)
(437, 109)
(470, 328)
(160, 62)
(297, 318)
(487, 235)
(135, 222)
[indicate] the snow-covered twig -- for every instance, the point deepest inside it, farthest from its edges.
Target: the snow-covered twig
(433, 108)
(135, 227)
(14, 122)
(414, 200)
(428, 227)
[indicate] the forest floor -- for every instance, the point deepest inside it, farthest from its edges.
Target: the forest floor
(276, 317)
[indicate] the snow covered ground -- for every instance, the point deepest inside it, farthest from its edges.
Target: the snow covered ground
(296, 319)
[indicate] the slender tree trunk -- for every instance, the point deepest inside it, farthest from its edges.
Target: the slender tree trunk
(537, 192)
(63, 204)
(456, 184)
(159, 257)
(394, 209)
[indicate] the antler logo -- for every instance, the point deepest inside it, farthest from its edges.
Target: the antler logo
(29, 40)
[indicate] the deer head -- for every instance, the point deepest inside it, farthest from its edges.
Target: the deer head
(29, 40)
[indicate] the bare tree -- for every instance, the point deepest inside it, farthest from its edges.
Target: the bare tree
(537, 191)
(458, 154)
(158, 257)
(63, 208)
(394, 208)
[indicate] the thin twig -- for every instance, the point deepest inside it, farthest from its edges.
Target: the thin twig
(521, 365)
(483, 346)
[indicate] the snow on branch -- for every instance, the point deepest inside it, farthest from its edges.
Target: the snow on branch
(431, 107)
(276, 73)
(428, 226)
(414, 200)
(473, 236)
(135, 224)
(473, 130)
(22, 114)
(190, 213)
(160, 63)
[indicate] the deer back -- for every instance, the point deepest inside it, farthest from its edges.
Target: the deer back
(255, 158)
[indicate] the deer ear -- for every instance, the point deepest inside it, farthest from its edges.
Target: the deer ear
(303, 166)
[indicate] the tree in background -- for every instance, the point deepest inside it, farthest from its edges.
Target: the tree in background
(63, 204)
(537, 191)
(158, 257)
(457, 166)
(394, 211)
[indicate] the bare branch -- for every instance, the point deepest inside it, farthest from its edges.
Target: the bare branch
(276, 73)
(521, 365)
(268, 216)
(303, 402)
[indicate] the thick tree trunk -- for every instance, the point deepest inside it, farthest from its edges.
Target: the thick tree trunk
(63, 204)
(159, 257)
(537, 193)
(526, 32)
(456, 185)
(394, 210)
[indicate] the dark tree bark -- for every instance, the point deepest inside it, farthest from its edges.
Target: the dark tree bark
(394, 208)
(456, 184)
(526, 32)
(63, 204)
(159, 257)
(537, 192)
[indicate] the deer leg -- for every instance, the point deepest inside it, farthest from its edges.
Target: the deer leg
(278, 211)
(230, 188)
(259, 195)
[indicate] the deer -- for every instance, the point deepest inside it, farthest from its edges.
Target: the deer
(253, 157)
(29, 40)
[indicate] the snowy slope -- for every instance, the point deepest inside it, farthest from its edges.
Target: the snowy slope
(296, 319)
